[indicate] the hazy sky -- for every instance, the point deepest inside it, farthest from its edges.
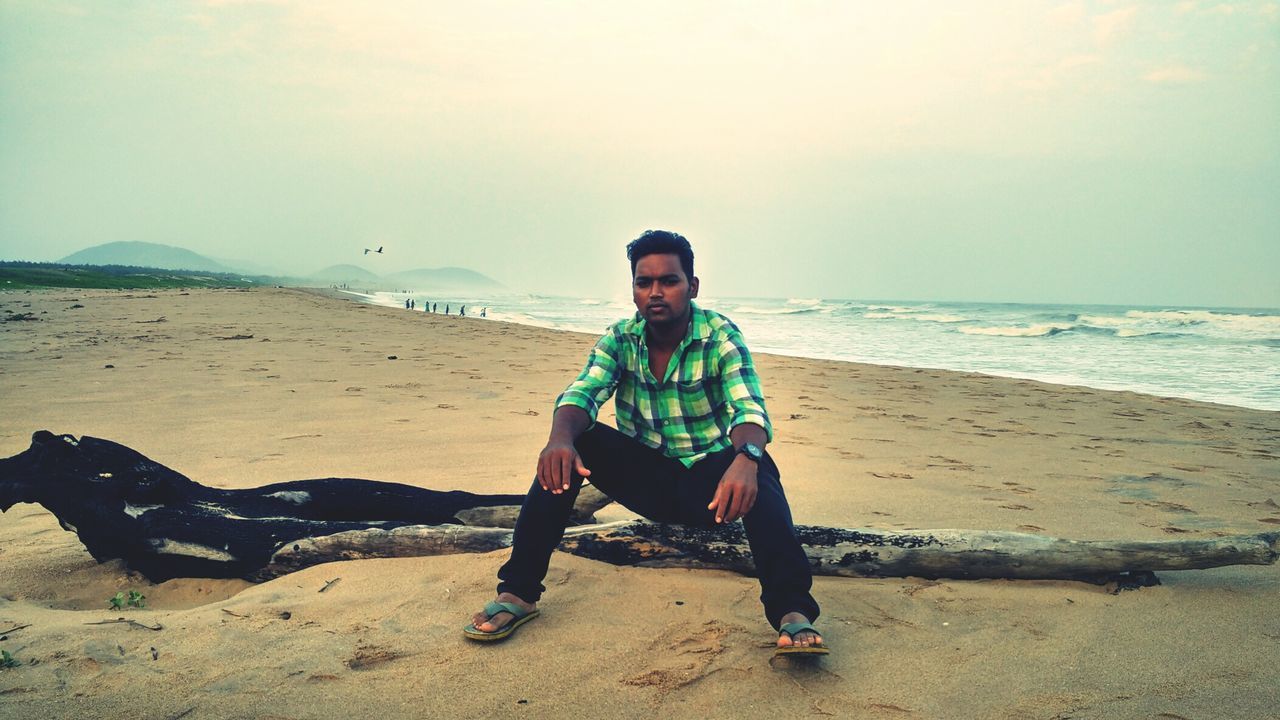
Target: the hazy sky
(1106, 152)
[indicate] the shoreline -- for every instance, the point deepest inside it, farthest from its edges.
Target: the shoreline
(241, 388)
(1117, 386)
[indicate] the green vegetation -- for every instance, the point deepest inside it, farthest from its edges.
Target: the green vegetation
(16, 275)
(7, 661)
(134, 599)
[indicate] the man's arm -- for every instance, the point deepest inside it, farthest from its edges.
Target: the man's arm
(741, 386)
(559, 459)
(749, 423)
(736, 493)
(575, 413)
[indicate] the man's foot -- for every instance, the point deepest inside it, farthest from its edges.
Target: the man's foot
(486, 624)
(805, 640)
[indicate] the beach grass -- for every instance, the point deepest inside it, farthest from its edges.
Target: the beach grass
(29, 276)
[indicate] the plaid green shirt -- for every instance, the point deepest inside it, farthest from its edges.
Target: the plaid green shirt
(710, 387)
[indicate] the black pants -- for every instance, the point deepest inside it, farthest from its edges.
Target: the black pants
(663, 490)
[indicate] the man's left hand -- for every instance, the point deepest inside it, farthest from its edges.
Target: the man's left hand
(736, 494)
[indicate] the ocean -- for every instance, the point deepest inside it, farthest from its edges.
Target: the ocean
(1221, 355)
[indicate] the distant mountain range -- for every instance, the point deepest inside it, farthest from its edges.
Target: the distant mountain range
(167, 257)
(144, 254)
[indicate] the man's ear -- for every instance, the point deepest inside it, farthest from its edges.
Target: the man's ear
(693, 287)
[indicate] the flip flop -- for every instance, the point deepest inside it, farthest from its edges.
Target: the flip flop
(793, 629)
(522, 616)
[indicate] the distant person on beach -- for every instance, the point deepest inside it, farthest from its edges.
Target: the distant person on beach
(484, 312)
(463, 311)
(446, 308)
(689, 447)
(434, 307)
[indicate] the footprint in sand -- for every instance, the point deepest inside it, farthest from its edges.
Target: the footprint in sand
(892, 475)
(685, 660)
(949, 463)
(371, 656)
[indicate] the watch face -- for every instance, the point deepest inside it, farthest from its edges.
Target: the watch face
(752, 451)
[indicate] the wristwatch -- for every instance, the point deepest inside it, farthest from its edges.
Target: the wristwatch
(751, 451)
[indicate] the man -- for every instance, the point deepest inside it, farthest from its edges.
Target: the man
(689, 447)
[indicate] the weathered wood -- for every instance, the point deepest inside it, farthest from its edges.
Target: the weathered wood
(589, 502)
(847, 553)
(124, 505)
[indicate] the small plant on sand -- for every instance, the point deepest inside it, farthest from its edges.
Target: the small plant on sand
(134, 599)
(7, 661)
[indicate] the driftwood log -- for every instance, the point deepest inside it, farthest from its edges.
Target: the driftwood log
(164, 525)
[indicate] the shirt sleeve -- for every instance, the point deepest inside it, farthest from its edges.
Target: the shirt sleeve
(741, 385)
(597, 381)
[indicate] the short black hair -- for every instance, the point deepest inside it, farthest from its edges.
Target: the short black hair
(655, 242)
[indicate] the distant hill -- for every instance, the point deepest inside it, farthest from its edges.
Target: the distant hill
(346, 274)
(448, 278)
(144, 254)
(167, 257)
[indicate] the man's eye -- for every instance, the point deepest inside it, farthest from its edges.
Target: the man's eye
(642, 283)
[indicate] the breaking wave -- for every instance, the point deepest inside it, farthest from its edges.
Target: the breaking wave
(1047, 330)
(922, 314)
(748, 310)
(1259, 324)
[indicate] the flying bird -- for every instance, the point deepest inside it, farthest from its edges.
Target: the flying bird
(379, 250)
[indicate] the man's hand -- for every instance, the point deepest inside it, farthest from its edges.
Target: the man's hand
(736, 494)
(559, 459)
(556, 465)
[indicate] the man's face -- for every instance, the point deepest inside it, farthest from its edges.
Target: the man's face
(662, 291)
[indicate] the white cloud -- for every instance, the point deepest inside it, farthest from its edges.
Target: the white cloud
(1067, 15)
(1176, 74)
(1109, 27)
(1226, 9)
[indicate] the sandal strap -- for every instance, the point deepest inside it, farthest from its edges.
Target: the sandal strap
(791, 629)
(493, 608)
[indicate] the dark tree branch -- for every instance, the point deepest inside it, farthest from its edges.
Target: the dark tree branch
(124, 505)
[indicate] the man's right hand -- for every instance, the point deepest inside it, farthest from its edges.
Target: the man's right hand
(556, 465)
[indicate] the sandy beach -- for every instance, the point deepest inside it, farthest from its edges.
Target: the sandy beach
(240, 388)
